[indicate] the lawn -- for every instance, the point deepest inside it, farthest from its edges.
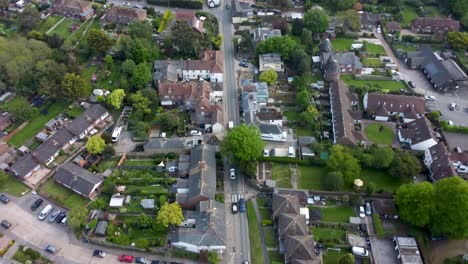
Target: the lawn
(409, 13)
(405, 47)
(380, 134)
(265, 211)
(381, 179)
(432, 11)
(63, 195)
(13, 186)
(374, 48)
(373, 85)
(310, 177)
(270, 239)
(145, 190)
(337, 214)
(48, 23)
(140, 162)
(291, 115)
(37, 124)
(275, 257)
(333, 257)
(22, 257)
(372, 62)
(109, 81)
(254, 235)
(281, 174)
(324, 234)
(63, 29)
(301, 131)
(342, 44)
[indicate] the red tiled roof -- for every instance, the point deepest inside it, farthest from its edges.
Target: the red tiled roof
(436, 23)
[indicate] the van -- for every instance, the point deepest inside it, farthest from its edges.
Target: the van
(291, 152)
(116, 134)
(359, 251)
(45, 212)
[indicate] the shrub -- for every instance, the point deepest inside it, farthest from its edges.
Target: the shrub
(93, 223)
(142, 243)
(32, 253)
(267, 222)
(378, 225)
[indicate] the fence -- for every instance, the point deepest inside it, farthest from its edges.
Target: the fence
(374, 78)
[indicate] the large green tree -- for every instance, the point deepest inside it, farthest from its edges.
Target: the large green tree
(268, 76)
(127, 66)
(341, 160)
(416, 203)
(303, 99)
(404, 165)
(74, 86)
(99, 42)
(382, 157)
(188, 41)
(351, 19)
(141, 75)
(76, 217)
(49, 76)
(308, 117)
(316, 20)
(169, 120)
(347, 259)
(458, 40)
(20, 108)
(141, 104)
(115, 98)
(243, 143)
(95, 145)
(284, 45)
(29, 18)
(170, 214)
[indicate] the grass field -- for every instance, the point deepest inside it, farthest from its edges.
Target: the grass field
(371, 84)
(339, 214)
(254, 235)
(37, 124)
(372, 62)
(281, 174)
(381, 179)
(409, 13)
(310, 177)
(373, 133)
(333, 257)
(63, 195)
(13, 186)
(342, 44)
(328, 234)
(374, 48)
(63, 29)
(48, 23)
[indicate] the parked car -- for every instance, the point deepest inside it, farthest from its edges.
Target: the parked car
(54, 215)
(430, 98)
(4, 199)
(51, 249)
(450, 123)
(452, 106)
(155, 262)
(359, 251)
(232, 174)
(99, 253)
(195, 133)
(411, 84)
(60, 217)
(361, 211)
(266, 152)
(140, 260)
(242, 208)
(126, 258)
(368, 208)
(36, 204)
(234, 208)
(244, 64)
(6, 224)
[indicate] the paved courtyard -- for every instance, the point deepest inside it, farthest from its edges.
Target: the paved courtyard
(383, 251)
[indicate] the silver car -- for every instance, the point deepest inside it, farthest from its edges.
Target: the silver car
(54, 215)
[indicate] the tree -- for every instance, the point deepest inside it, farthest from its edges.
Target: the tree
(334, 181)
(108, 151)
(416, 203)
(95, 145)
(3, 178)
(141, 75)
(343, 4)
(144, 221)
(297, 27)
(217, 41)
(141, 29)
(281, 24)
(404, 165)
(451, 208)
(98, 41)
(269, 76)
(342, 161)
(139, 128)
(308, 118)
(381, 158)
(284, 45)
(151, 11)
(243, 143)
(351, 19)
(49, 77)
(316, 20)
(115, 98)
(4, 4)
(213, 257)
(140, 103)
(108, 60)
(186, 39)
(127, 66)
(170, 214)
(347, 259)
(306, 38)
(74, 86)
(169, 120)
(76, 217)
(20, 108)
(29, 18)
(458, 40)
(152, 95)
(303, 99)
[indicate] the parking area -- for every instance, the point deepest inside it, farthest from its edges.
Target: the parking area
(383, 251)
(456, 140)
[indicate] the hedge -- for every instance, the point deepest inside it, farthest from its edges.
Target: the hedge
(197, 4)
(455, 129)
(293, 160)
(378, 226)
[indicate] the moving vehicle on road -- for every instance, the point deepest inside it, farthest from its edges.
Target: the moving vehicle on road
(36, 204)
(266, 152)
(242, 208)
(99, 253)
(54, 215)
(45, 212)
(232, 174)
(6, 224)
(126, 258)
(234, 208)
(361, 212)
(4, 199)
(359, 251)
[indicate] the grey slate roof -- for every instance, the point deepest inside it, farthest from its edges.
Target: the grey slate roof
(418, 130)
(24, 165)
(62, 136)
(202, 174)
(292, 224)
(77, 178)
(306, 140)
(300, 248)
(101, 228)
(348, 58)
(285, 203)
(88, 117)
(270, 129)
(46, 150)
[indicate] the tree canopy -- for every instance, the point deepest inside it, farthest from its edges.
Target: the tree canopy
(347, 259)
(95, 145)
(74, 86)
(415, 203)
(269, 76)
(316, 20)
(99, 42)
(20, 108)
(458, 40)
(141, 75)
(382, 157)
(404, 165)
(115, 98)
(170, 214)
(341, 160)
(243, 143)
(284, 45)
(169, 120)
(351, 19)
(29, 18)
(334, 181)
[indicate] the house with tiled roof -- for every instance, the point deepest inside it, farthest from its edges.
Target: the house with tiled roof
(392, 26)
(270, 117)
(191, 19)
(79, 180)
(270, 61)
(345, 114)
(433, 25)
(262, 34)
(25, 166)
(417, 134)
(80, 9)
(300, 249)
(349, 63)
(328, 63)
(437, 161)
(176, 94)
(370, 20)
(125, 15)
(285, 204)
(383, 106)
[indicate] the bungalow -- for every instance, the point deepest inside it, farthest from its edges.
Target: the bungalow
(191, 19)
(49, 150)
(270, 117)
(270, 61)
(124, 15)
(241, 11)
(78, 180)
(349, 63)
(83, 124)
(272, 132)
(383, 106)
(262, 34)
(417, 134)
(80, 9)
(25, 166)
(437, 161)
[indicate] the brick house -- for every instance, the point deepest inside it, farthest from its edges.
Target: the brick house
(124, 15)
(73, 8)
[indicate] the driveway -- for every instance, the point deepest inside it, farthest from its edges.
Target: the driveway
(383, 251)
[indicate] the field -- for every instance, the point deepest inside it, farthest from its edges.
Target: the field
(371, 84)
(37, 124)
(13, 186)
(324, 234)
(63, 195)
(310, 177)
(337, 214)
(374, 134)
(281, 174)
(254, 235)
(342, 44)
(372, 62)
(409, 13)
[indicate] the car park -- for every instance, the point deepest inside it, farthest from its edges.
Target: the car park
(232, 174)
(126, 258)
(51, 249)
(36, 204)
(430, 98)
(60, 217)
(234, 208)
(368, 208)
(4, 199)
(99, 253)
(361, 211)
(140, 260)
(411, 84)
(242, 208)
(6, 224)
(54, 215)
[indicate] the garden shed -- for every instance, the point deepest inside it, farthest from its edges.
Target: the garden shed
(101, 229)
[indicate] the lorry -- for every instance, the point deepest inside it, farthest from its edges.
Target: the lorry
(230, 125)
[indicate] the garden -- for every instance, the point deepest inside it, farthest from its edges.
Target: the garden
(13, 186)
(281, 174)
(335, 214)
(377, 85)
(254, 235)
(27, 255)
(62, 195)
(380, 134)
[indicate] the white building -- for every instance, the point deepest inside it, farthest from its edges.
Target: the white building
(272, 133)
(271, 61)
(417, 134)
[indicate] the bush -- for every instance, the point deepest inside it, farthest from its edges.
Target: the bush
(32, 253)
(378, 225)
(142, 243)
(93, 223)
(267, 222)
(178, 3)
(454, 129)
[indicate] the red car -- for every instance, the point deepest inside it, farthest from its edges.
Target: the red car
(126, 258)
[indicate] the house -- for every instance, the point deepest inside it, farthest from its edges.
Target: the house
(270, 61)
(369, 20)
(417, 134)
(384, 106)
(260, 89)
(349, 63)
(262, 34)
(291, 15)
(460, 162)
(345, 115)
(330, 33)
(101, 229)
(300, 249)
(437, 161)
(78, 180)
(444, 74)
(176, 94)
(304, 146)
(433, 25)
(392, 27)
(249, 107)
(285, 204)
(80, 9)
(167, 71)
(407, 250)
(290, 225)
(217, 92)
(241, 11)
(272, 132)
(270, 117)
(54, 124)
(82, 125)
(165, 145)
(25, 166)
(202, 229)
(125, 15)
(191, 19)
(6, 119)
(328, 63)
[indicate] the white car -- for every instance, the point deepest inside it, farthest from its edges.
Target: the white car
(450, 123)
(452, 106)
(195, 133)
(232, 174)
(266, 152)
(361, 212)
(430, 98)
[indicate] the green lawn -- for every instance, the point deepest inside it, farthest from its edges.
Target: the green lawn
(143, 190)
(275, 257)
(291, 115)
(342, 44)
(404, 47)
(270, 239)
(381, 179)
(109, 81)
(301, 131)
(339, 214)
(333, 257)
(63, 195)
(63, 29)
(374, 48)
(254, 235)
(372, 62)
(265, 211)
(281, 174)
(37, 124)
(380, 134)
(432, 11)
(48, 23)
(13, 186)
(140, 162)
(324, 234)
(310, 177)
(409, 13)
(373, 85)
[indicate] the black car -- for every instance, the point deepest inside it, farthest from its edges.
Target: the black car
(99, 253)
(411, 83)
(6, 224)
(4, 199)
(244, 64)
(36, 204)
(60, 217)
(140, 260)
